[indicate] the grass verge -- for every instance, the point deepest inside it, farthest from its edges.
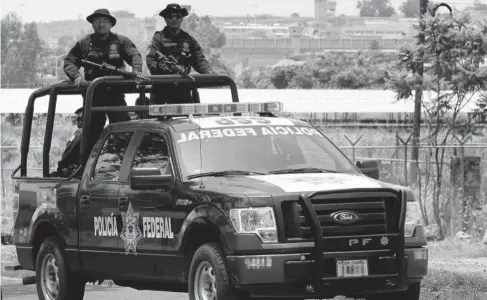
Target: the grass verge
(456, 270)
(457, 249)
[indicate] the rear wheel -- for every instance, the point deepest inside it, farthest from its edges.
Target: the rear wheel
(412, 293)
(208, 276)
(54, 280)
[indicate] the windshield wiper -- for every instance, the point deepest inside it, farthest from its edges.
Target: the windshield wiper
(224, 173)
(302, 170)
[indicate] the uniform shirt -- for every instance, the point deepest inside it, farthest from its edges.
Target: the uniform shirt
(182, 46)
(71, 153)
(114, 50)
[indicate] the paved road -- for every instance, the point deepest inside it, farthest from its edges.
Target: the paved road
(14, 290)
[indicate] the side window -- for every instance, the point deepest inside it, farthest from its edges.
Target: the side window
(111, 156)
(153, 152)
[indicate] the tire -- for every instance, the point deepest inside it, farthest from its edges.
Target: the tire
(412, 293)
(208, 265)
(50, 263)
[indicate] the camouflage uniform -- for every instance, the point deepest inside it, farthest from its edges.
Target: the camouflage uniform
(114, 50)
(188, 53)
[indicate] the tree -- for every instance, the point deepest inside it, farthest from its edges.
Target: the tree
(453, 51)
(207, 34)
(211, 39)
(363, 70)
(32, 51)
(375, 8)
(22, 51)
(410, 8)
(11, 32)
(12, 75)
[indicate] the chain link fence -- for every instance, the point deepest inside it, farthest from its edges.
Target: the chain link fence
(461, 198)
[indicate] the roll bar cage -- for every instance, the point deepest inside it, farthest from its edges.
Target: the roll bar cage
(128, 86)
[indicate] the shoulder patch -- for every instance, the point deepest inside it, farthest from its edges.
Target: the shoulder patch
(185, 34)
(85, 39)
(121, 38)
(158, 34)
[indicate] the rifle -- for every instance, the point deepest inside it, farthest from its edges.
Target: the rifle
(113, 69)
(172, 63)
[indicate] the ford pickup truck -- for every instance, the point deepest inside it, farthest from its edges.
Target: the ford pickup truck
(222, 201)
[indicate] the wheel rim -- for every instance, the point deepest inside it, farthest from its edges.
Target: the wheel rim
(49, 277)
(205, 282)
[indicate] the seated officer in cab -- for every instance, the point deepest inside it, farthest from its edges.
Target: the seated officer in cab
(172, 40)
(70, 158)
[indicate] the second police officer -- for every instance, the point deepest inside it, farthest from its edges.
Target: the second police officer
(172, 40)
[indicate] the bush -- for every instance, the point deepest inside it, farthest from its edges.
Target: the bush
(365, 70)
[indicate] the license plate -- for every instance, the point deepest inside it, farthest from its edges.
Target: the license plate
(352, 268)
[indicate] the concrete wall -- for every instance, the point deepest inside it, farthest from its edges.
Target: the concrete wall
(311, 45)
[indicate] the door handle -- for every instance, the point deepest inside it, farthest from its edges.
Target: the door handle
(84, 200)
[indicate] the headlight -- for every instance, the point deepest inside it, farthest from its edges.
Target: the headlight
(413, 218)
(257, 220)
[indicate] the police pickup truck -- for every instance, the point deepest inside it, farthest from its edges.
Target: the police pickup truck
(222, 201)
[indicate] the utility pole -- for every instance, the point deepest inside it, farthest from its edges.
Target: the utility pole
(423, 4)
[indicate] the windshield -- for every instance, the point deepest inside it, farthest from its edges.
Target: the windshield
(262, 149)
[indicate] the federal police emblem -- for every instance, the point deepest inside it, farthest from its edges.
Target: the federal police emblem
(131, 233)
(186, 47)
(113, 51)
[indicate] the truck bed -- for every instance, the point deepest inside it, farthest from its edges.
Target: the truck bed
(45, 204)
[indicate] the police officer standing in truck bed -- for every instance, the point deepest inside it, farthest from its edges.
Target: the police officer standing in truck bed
(99, 47)
(172, 40)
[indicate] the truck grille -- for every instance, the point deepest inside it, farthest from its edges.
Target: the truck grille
(378, 213)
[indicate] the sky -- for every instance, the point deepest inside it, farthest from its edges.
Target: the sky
(54, 10)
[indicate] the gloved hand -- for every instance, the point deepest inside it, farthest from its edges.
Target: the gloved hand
(138, 73)
(164, 68)
(79, 81)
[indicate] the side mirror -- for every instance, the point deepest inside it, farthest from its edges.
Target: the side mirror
(369, 168)
(148, 179)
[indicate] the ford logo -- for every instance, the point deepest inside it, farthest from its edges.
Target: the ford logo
(345, 217)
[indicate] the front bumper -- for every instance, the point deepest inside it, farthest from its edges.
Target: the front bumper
(291, 275)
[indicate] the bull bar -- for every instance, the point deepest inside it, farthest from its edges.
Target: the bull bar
(317, 254)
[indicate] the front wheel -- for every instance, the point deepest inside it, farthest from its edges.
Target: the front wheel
(412, 293)
(208, 276)
(54, 280)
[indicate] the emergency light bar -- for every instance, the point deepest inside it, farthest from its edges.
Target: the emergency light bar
(200, 108)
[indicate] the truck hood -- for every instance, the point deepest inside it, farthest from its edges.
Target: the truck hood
(286, 184)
